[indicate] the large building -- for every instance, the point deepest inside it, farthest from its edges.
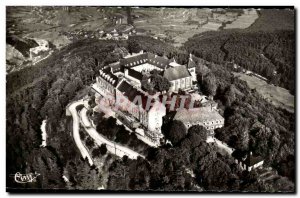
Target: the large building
(205, 116)
(107, 81)
(181, 77)
(147, 110)
(123, 80)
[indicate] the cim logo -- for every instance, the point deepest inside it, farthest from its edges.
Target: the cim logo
(26, 178)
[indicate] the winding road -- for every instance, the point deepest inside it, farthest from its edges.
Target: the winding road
(81, 118)
(76, 136)
(99, 139)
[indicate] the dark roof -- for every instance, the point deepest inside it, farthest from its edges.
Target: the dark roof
(134, 60)
(158, 61)
(246, 157)
(174, 73)
(124, 86)
(252, 160)
(115, 67)
(130, 92)
(135, 74)
(108, 76)
(145, 58)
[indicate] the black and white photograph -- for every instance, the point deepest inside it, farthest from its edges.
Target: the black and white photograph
(143, 99)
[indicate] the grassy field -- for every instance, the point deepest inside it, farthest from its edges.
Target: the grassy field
(278, 96)
(169, 22)
(175, 24)
(181, 23)
(243, 21)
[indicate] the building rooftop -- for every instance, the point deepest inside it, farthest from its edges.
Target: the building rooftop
(201, 114)
(134, 60)
(174, 73)
(109, 76)
(135, 74)
(247, 157)
(150, 58)
(115, 67)
(131, 93)
(158, 60)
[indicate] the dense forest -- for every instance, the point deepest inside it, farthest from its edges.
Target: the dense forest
(43, 92)
(251, 122)
(274, 19)
(267, 47)
(270, 54)
(191, 164)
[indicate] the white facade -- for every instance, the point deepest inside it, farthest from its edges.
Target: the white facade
(209, 125)
(183, 83)
(151, 119)
(155, 116)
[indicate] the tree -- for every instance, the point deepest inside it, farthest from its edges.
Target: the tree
(70, 89)
(197, 134)
(209, 85)
(90, 143)
(177, 132)
(134, 46)
(82, 135)
(119, 176)
(86, 177)
(229, 95)
(39, 93)
(147, 86)
(103, 149)
(96, 152)
(202, 71)
(45, 162)
(122, 135)
(92, 102)
(108, 127)
(160, 83)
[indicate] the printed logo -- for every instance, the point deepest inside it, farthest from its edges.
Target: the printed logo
(26, 178)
